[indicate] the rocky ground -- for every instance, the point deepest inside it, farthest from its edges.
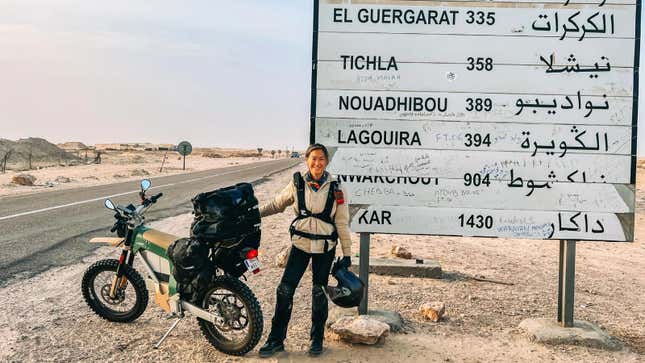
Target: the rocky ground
(45, 318)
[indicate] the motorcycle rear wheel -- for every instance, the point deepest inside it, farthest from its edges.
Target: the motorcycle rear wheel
(239, 309)
(96, 293)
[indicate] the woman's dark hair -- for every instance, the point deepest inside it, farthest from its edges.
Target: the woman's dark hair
(313, 147)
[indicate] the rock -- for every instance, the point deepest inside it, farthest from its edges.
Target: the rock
(62, 179)
(281, 258)
(392, 318)
(432, 311)
(401, 252)
(24, 179)
(362, 329)
(549, 331)
(139, 172)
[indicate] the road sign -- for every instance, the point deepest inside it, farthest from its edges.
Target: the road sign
(498, 119)
(184, 148)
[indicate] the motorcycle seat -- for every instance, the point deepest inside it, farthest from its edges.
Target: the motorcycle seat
(159, 238)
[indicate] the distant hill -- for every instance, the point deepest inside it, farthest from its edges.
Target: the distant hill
(42, 151)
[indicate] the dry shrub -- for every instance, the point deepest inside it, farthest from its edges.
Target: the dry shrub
(244, 154)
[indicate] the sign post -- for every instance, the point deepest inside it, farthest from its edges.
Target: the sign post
(364, 270)
(184, 148)
(566, 282)
(483, 119)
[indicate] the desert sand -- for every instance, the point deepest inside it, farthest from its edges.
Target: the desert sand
(46, 319)
(118, 166)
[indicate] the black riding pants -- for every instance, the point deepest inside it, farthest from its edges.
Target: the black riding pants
(296, 266)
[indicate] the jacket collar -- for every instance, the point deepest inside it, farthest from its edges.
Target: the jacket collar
(326, 178)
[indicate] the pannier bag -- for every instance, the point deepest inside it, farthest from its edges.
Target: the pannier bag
(193, 269)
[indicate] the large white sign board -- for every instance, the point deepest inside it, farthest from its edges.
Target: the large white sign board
(496, 119)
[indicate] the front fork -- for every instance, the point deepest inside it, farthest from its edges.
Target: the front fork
(126, 258)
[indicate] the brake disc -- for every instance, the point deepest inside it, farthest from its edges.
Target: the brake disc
(105, 293)
(231, 314)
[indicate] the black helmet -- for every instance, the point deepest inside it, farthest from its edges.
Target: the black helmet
(349, 291)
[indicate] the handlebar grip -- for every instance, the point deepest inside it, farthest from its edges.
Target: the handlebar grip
(155, 197)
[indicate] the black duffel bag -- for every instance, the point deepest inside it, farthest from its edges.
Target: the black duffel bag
(227, 215)
(225, 203)
(229, 231)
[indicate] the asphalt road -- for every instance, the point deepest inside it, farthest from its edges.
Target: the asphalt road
(43, 230)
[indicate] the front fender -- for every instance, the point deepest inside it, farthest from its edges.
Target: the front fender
(112, 241)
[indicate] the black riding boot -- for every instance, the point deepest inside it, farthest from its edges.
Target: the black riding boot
(270, 348)
(319, 312)
(282, 315)
(280, 321)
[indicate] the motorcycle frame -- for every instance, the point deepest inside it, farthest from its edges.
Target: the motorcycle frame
(168, 299)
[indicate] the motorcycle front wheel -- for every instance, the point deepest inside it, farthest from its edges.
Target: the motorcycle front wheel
(130, 300)
(240, 323)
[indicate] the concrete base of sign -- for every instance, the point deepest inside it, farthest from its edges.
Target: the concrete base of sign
(400, 267)
(549, 331)
(391, 318)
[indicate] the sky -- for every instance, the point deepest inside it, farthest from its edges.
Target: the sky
(216, 73)
(229, 74)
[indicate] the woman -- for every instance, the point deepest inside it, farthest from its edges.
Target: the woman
(322, 217)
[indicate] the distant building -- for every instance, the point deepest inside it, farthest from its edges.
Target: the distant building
(166, 147)
(74, 146)
(108, 146)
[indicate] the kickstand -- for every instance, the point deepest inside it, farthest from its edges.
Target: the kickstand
(174, 325)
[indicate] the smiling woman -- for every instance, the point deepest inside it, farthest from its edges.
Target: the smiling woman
(322, 218)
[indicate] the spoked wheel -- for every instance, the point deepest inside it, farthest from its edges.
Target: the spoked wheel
(130, 299)
(239, 325)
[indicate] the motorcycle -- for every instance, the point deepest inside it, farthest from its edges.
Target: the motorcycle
(227, 311)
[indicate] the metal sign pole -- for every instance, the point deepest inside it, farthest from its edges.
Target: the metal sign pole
(560, 263)
(566, 282)
(184, 148)
(364, 269)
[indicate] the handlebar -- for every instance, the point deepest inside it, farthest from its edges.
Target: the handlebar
(152, 199)
(130, 211)
(124, 210)
(155, 197)
(130, 216)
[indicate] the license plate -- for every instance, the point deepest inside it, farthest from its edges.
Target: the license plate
(252, 264)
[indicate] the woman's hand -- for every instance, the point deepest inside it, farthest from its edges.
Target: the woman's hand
(346, 261)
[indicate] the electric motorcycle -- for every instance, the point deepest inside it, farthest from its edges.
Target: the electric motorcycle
(228, 312)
